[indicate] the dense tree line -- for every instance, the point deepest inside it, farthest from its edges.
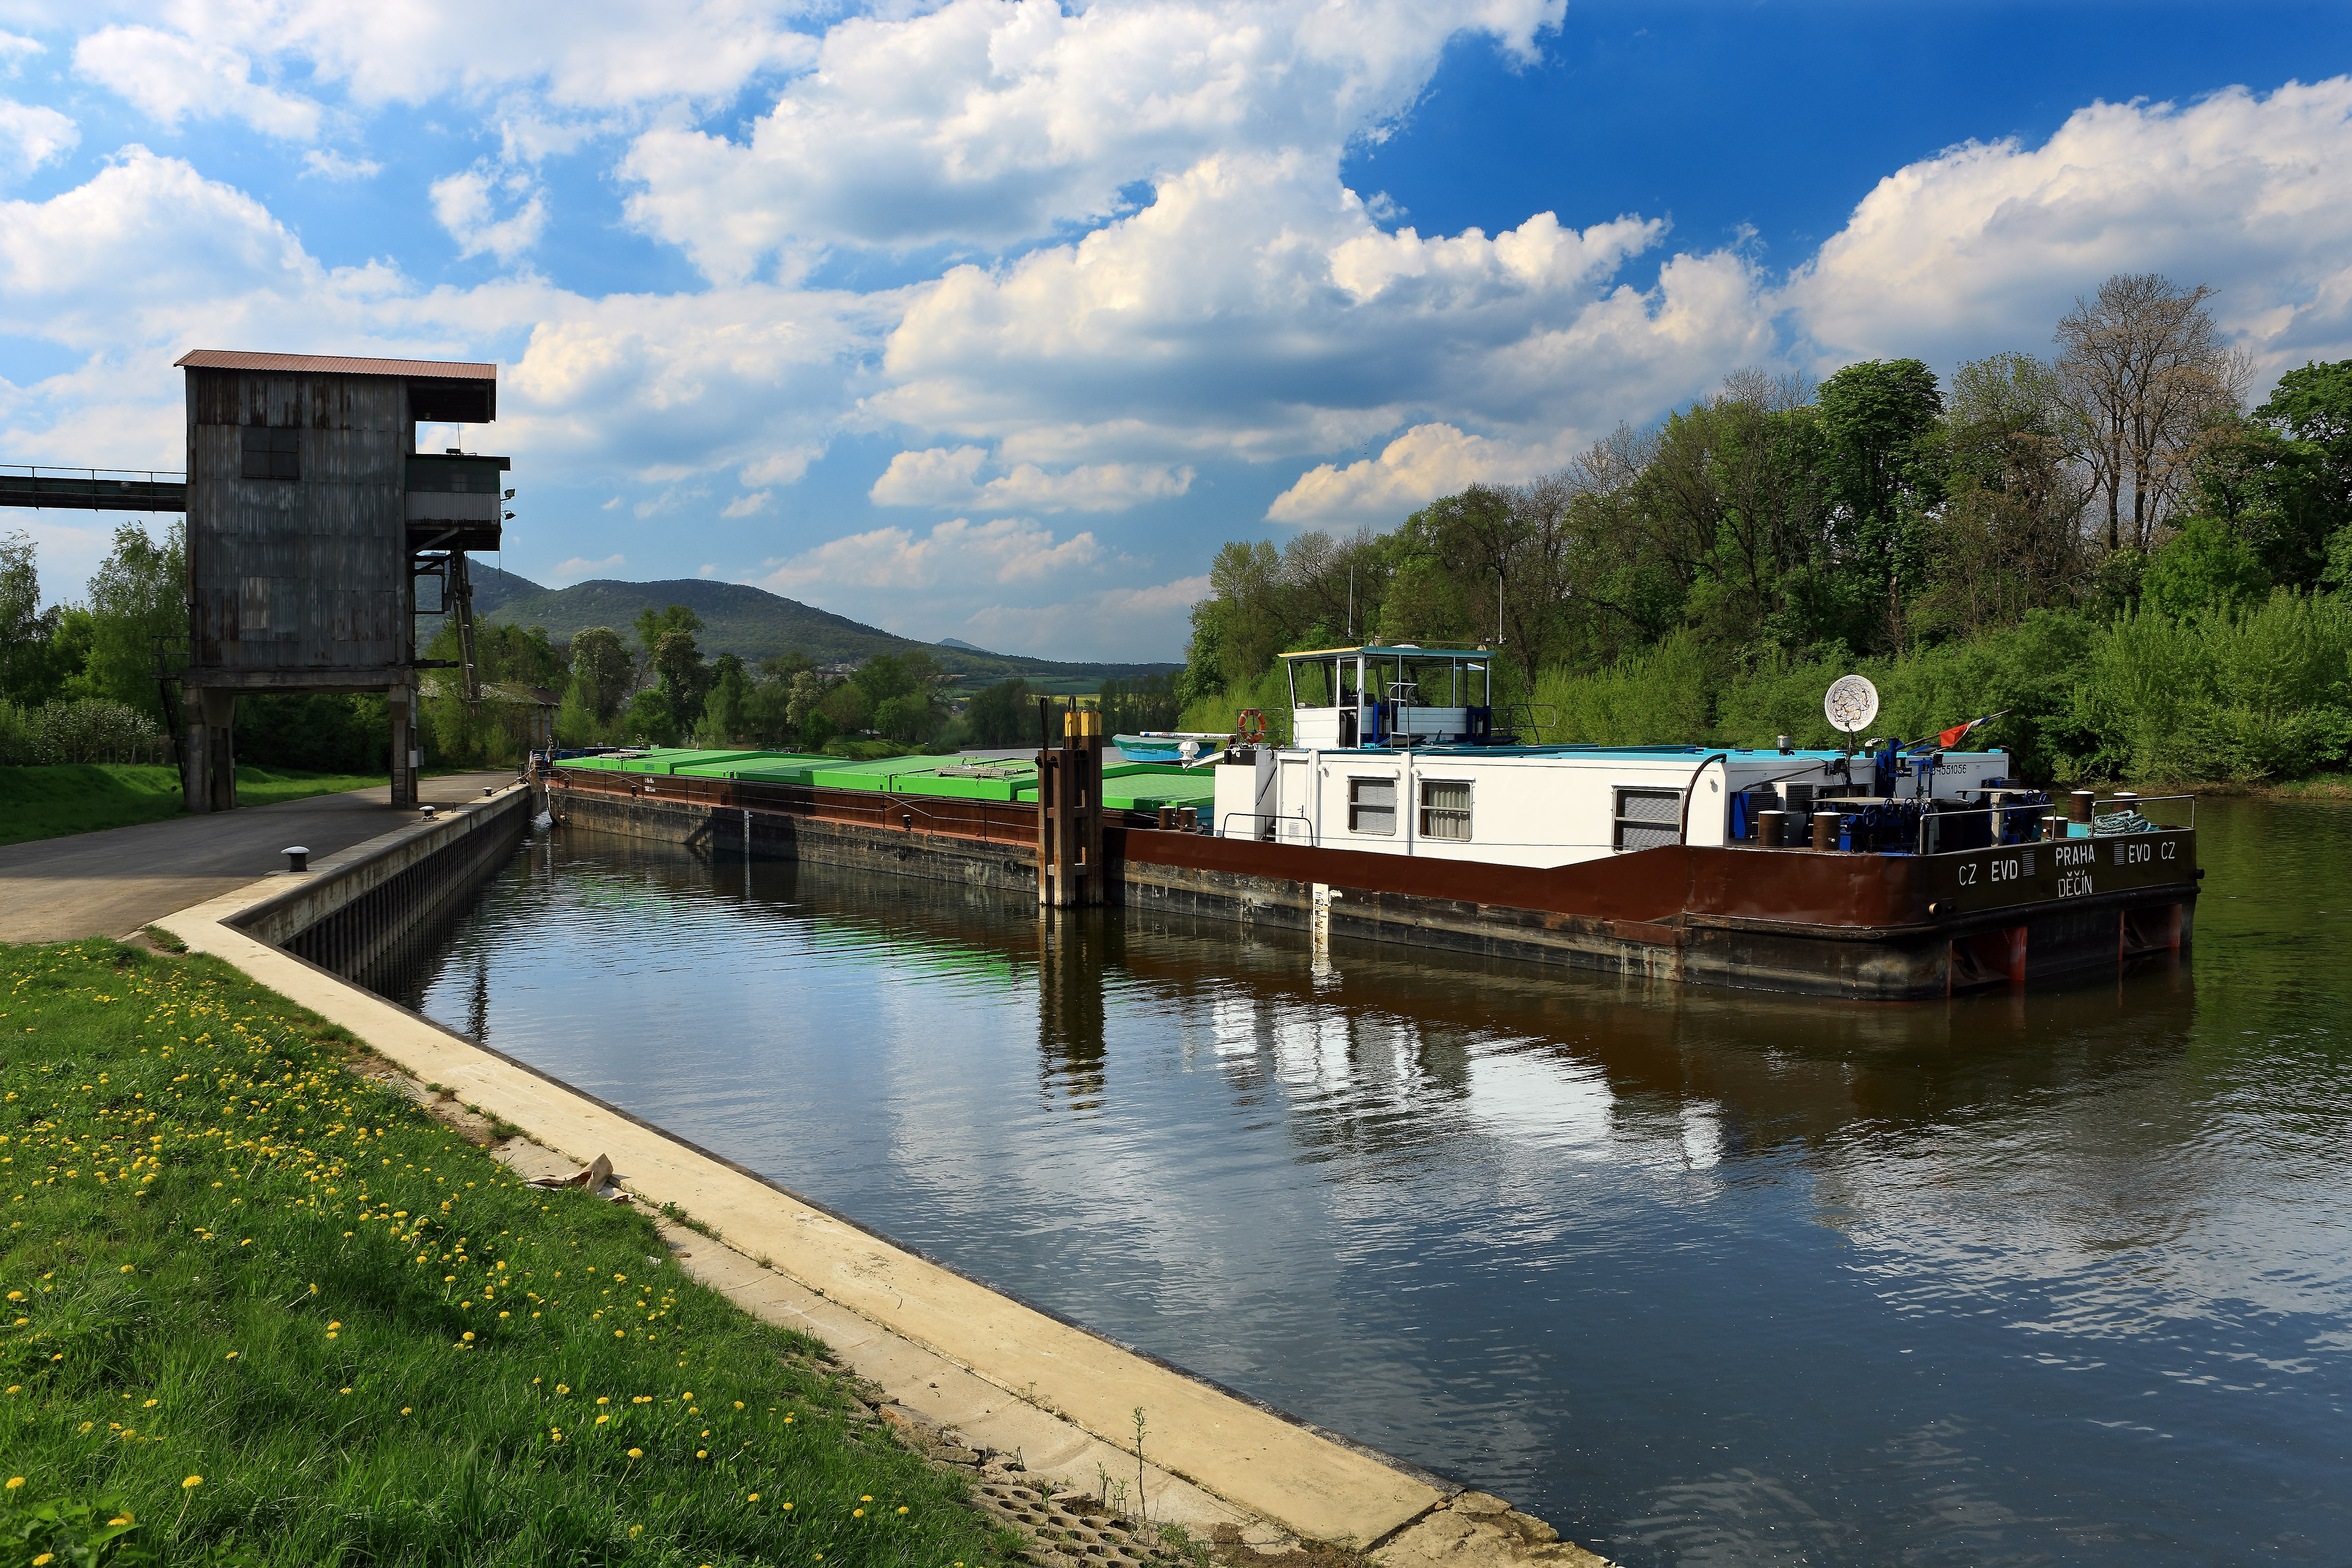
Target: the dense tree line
(1880, 516)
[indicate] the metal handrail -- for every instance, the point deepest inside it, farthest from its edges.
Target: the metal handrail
(34, 471)
(2047, 813)
(2139, 801)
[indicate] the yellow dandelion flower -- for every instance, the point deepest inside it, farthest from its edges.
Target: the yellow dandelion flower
(192, 1481)
(15, 1482)
(753, 1498)
(405, 1408)
(858, 1513)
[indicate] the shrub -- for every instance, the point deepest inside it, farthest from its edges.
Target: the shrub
(87, 729)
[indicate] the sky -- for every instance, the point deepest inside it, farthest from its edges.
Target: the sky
(992, 318)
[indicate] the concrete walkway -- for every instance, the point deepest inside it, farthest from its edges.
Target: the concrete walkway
(112, 883)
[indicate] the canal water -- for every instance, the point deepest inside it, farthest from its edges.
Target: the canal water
(1702, 1277)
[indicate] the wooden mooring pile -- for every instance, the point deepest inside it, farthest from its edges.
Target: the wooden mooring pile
(1070, 870)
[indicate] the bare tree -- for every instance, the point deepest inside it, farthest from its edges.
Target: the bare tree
(2142, 368)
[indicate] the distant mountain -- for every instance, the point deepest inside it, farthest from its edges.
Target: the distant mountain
(959, 642)
(749, 622)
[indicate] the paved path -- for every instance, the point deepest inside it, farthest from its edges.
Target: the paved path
(112, 883)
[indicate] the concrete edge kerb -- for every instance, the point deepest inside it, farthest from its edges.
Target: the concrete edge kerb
(364, 863)
(1318, 1483)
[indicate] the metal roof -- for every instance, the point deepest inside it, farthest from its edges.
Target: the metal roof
(246, 360)
(1397, 650)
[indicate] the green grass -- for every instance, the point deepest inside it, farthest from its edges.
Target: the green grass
(82, 797)
(225, 1257)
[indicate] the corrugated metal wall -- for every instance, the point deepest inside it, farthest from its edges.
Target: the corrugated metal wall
(306, 577)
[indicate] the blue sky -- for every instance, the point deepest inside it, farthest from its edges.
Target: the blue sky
(991, 319)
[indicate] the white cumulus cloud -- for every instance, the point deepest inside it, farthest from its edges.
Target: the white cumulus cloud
(991, 121)
(332, 165)
(173, 77)
(468, 202)
(957, 552)
(1424, 463)
(939, 477)
(30, 135)
(1256, 310)
(577, 568)
(1985, 244)
(1150, 622)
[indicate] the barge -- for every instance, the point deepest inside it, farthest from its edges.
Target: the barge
(1886, 871)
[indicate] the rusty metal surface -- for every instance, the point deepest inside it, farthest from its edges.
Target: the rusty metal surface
(306, 577)
(336, 364)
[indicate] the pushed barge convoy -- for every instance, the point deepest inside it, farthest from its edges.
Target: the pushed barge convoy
(1404, 809)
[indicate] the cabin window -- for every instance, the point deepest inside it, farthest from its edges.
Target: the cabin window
(272, 453)
(1648, 818)
(1445, 809)
(1371, 806)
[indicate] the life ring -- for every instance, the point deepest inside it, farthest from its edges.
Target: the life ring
(1249, 728)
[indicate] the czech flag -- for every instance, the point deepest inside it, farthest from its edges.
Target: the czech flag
(1947, 739)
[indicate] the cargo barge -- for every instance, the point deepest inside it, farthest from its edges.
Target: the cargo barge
(1887, 872)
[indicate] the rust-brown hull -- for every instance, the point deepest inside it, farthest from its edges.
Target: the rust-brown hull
(1862, 926)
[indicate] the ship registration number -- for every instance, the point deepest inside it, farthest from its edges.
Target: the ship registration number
(2063, 869)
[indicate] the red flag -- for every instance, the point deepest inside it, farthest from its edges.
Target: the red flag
(1951, 738)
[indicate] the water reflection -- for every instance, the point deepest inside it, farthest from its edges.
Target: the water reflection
(1702, 1276)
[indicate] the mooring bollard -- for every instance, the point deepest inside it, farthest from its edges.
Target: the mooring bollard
(298, 857)
(1772, 829)
(1825, 825)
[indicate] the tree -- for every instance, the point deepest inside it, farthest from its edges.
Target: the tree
(808, 691)
(1880, 473)
(25, 631)
(1002, 715)
(2008, 537)
(726, 712)
(139, 596)
(2308, 474)
(685, 679)
(601, 672)
(2144, 370)
(1129, 706)
(653, 625)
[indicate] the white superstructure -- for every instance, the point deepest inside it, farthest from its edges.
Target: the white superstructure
(1442, 781)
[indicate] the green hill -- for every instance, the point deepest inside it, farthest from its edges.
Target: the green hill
(752, 622)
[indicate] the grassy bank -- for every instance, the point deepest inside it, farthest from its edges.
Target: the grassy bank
(263, 1310)
(79, 798)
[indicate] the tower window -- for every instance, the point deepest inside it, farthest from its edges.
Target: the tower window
(272, 453)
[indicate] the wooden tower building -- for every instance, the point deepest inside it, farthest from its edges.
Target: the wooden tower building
(311, 519)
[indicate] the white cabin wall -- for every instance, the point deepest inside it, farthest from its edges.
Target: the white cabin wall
(1523, 811)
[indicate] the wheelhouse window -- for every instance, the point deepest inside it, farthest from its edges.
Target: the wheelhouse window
(1371, 806)
(1445, 809)
(272, 453)
(1647, 818)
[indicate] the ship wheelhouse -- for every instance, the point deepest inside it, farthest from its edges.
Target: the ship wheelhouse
(1384, 696)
